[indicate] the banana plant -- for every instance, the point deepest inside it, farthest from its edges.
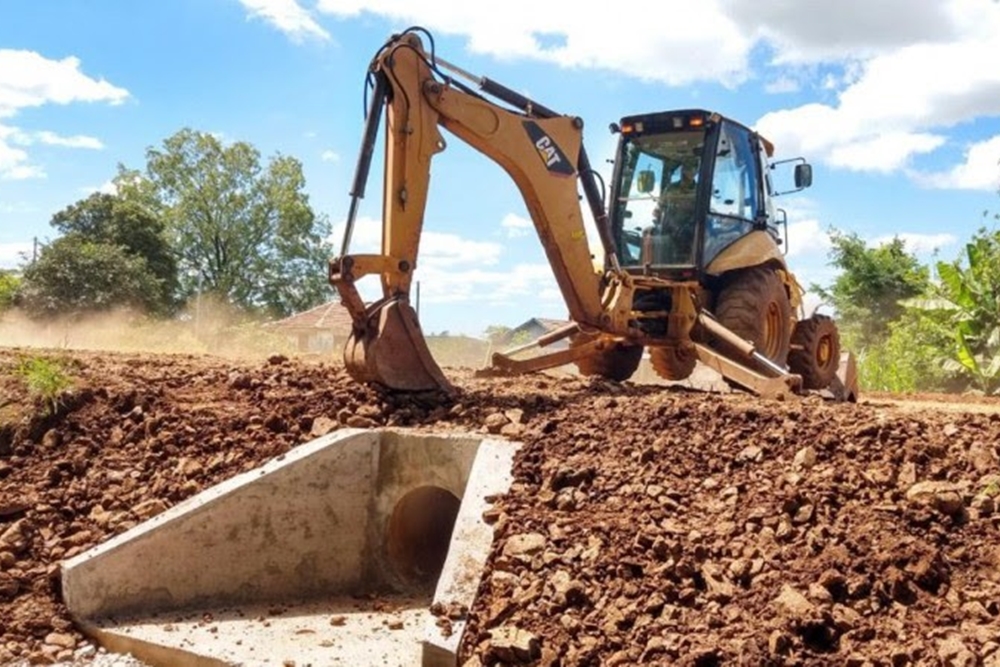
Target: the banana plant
(971, 296)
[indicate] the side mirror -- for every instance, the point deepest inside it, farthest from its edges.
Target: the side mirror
(646, 181)
(803, 175)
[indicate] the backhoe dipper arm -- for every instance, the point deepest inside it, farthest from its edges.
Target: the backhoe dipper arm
(534, 151)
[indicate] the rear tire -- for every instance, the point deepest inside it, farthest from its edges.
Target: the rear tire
(815, 353)
(672, 363)
(618, 361)
(754, 305)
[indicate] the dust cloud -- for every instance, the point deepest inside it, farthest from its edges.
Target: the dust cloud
(207, 328)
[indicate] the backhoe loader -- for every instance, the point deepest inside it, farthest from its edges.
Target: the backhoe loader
(693, 268)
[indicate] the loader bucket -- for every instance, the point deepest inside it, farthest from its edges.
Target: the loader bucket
(845, 384)
(390, 350)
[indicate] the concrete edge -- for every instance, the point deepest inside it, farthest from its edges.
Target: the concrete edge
(471, 543)
(154, 655)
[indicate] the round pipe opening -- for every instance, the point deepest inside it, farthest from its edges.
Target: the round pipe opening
(419, 533)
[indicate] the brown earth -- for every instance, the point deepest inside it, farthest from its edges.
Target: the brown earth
(646, 525)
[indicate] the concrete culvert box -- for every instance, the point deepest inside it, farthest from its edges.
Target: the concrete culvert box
(331, 554)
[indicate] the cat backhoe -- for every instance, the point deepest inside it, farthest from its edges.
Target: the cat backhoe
(692, 270)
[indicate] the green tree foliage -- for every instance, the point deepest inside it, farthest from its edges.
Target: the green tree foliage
(9, 284)
(872, 283)
(113, 220)
(243, 231)
(968, 294)
(73, 275)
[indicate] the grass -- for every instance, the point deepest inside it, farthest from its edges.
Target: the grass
(46, 379)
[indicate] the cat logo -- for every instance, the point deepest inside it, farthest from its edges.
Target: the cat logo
(550, 153)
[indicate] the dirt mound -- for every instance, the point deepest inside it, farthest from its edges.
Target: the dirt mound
(645, 526)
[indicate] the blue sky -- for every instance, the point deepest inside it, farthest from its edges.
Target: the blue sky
(896, 104)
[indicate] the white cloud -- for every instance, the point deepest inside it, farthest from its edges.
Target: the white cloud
(28, 79)
(22, 172)
(901, 72)
(516, 226)
(901, 100)
(105, 188)
(76, 141)
(807, 237)
(288, 16)
(980, 171)
(885, 153)
(818, 30)
(670, 31)
(329, 156)
(13, 254)
(453, 269)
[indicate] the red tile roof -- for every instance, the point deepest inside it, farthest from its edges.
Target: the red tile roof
(332, 316)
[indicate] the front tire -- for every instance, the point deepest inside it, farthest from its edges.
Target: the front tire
(754, 305)
(815, 351)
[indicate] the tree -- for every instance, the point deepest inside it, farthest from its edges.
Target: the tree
(872, 283)
(9, 284)
(113, 220)
(73, 275)
(242, 231)
(969, 294)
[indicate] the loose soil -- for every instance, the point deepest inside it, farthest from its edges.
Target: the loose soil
(646, 525)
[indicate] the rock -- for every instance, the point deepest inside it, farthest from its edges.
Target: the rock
(795, 604)
(566, 591)
(512, 430)
(845, 619)
(61, 640)
(718, 588)
(525, 544)
(51, 439)
(149, 508)
(952, 652)
(9, 587)
(514, 415)
(360, 421)
(512, 645)
(804, 459)
(779, 643)
(323, 425)
(495, 422)
(819, 593)
(984, 504)
(15, 539)
(945, 497)
(751, 454)
(907, 476)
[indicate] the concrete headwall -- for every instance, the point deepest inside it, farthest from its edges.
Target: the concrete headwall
(309, 525)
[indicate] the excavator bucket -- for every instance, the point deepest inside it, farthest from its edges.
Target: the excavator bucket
(845, 384)
(390, 350)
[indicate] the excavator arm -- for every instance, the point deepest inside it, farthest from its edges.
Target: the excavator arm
(540, 150)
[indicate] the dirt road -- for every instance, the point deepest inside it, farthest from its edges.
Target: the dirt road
(646, 525)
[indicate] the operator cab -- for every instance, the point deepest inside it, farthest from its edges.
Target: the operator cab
(688, 184)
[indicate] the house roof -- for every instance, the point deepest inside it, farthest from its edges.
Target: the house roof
(546, 324)
(331, 315)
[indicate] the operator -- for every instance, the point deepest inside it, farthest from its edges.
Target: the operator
(674, 218)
